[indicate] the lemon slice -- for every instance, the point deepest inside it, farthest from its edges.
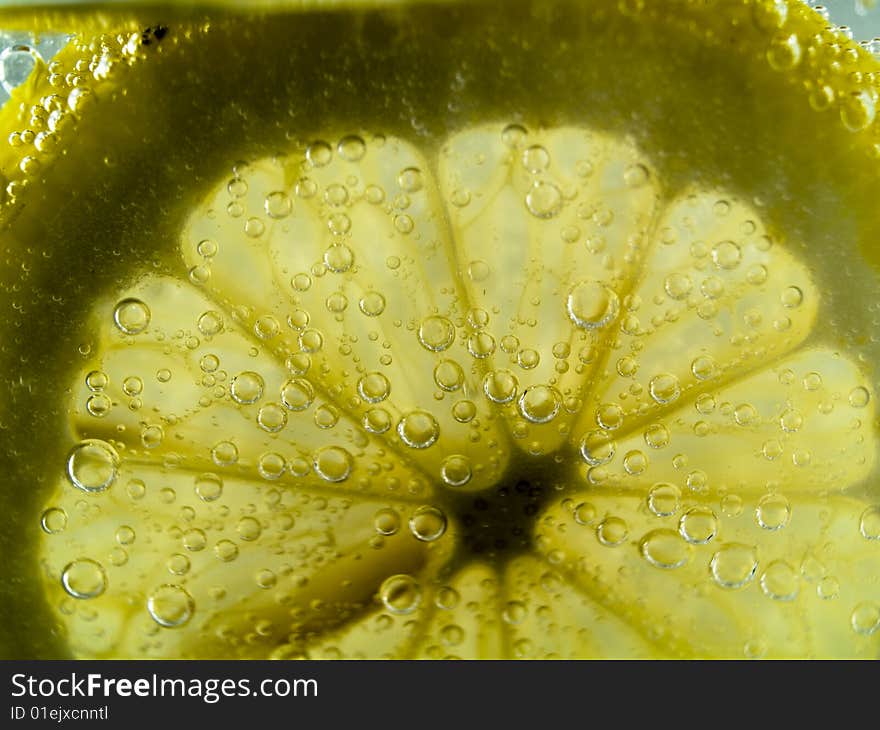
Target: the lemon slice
(526, 381)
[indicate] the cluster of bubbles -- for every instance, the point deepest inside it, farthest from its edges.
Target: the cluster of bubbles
(49, 123)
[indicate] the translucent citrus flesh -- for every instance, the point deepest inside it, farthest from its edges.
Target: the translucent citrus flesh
(549, 384)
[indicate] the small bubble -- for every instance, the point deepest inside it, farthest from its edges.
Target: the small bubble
(539, 404)
(410, 180)
(664, 388)
(780, 581)
(372, 304)
(178, 564)
(226, 550)
(828, 588)
(791, 297)
(609, 416)
(791, 420)
(464, 411)
(163, 375)
(97, 380)
(678, 286)
(859, 397)
(53, 520)
(319, 154)
(247, 387)
(254, 227)
(210, 323)
(374, 387)
(338, 257)
(436, 333)
(544, 199)
(698, 525)
(92, 465)
(585, 514)
(332, 463)
(209, 487)
(636, 176)
(535, 159)
(664, 499)
(784, 52)
(170, 605)
(635, 462)
(448, 375)
(418, 429)
(351, 148)
(297, 394)
(869, 523)
(271, 418)
(131, 316)
(726, 255)
(377, 420)
(224, 453)
(592, 304)
(514, 136)
(400, 594)
(311, 341)
(773, 512)
(456, 470)
(734, 565)
(514, 612)
(704, 367)
(597, 448)
(194, 540)
(865, 618)
(427, 523)
(657, 436)
(858, 110)
(612, 531)
(386, 521)
(249, 529)
(481, 345)
(98, 405)
(500, 386)
(665, 549)
(745, 414)
(84, 578)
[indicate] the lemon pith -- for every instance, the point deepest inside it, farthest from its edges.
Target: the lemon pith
(516, 392)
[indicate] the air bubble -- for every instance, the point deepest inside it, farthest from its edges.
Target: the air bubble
(427, 523)
(208, 487)
(131, 316)
(592, 304)
(436, 333)
(386, 521)
(612, 531)
(456, 470)
(84, 578)
(698, 525)
(170, 606)
(53, 520)
(865, 618)
(539, 404)
(869, 523)
(664, 549)
(664, 388)
(544, 199)
(780, 581)
(500, 386)
(297, 394)
(333, 463)
(373, 387)
(597, 448)
(418, 429)
(247, 387)
(400, 594)
(734, 565)
(726, 255)
(664, 499)
(92, 465)
(773, 512)
(278, 205)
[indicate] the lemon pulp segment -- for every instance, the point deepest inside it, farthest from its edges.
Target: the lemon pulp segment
(486, 373)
